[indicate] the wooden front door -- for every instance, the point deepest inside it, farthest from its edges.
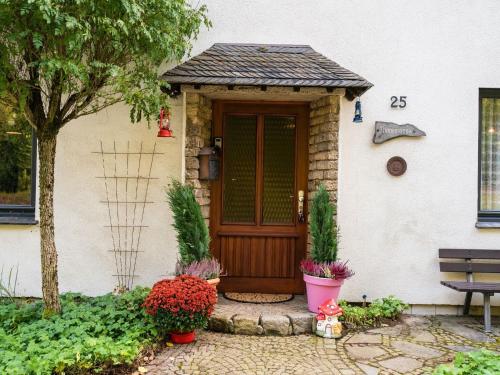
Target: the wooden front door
(256, 229)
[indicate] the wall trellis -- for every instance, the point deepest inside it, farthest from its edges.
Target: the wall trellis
(127, 178)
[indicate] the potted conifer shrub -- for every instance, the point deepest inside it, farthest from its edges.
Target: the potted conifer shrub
(192, 235)
(323, 273)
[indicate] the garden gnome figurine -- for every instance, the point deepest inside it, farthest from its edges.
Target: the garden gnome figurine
(328, 324)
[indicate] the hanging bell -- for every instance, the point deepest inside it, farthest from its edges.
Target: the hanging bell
(164, 125)
(357, 112)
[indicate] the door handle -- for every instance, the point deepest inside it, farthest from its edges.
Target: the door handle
(300, 207)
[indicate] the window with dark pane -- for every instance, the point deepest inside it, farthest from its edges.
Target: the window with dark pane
(16, 167)
(279, 170)
(489, 199)
(239, 144)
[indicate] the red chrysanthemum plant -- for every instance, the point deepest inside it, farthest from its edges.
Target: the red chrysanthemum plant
(182, 304)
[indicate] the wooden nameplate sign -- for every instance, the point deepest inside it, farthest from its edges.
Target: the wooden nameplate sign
(385, 131)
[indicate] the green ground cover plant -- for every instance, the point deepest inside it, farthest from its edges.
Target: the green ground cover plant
(388, 308)
(92, 335)
(483, 362)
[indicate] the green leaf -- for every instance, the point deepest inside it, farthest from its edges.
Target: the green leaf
(94, 51)
(84, 337)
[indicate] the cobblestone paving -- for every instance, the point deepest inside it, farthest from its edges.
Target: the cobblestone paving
(414, 346)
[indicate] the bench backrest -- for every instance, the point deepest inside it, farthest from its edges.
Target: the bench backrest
(469, 255)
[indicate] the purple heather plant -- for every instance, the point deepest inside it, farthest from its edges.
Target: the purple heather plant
(331, 270)
(206, 269)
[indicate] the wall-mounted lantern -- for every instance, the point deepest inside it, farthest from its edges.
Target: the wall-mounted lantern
(164, 125)
(209, 163)
(357, 112)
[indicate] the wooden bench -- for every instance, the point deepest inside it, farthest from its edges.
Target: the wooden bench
(468, 256)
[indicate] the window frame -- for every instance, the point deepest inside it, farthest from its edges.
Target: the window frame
(485, 219)
(23, 213)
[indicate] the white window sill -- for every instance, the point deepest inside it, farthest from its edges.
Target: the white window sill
(17, 220)
(487, 224)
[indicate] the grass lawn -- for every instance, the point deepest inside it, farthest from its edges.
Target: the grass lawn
(101, 334)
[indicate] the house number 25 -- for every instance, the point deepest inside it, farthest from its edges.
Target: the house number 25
(398, 101)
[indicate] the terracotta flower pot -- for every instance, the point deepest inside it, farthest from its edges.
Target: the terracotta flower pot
(319, 290)
(214, 282)
(182, 338)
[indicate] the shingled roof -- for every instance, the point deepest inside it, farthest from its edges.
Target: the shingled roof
(265, 64)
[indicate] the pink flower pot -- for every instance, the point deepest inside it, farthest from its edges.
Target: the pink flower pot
(319, 289)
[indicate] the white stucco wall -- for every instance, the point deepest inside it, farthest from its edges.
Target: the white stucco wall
(82, 240)
(437, 53)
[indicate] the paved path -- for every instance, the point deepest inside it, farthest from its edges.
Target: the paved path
(413, 347)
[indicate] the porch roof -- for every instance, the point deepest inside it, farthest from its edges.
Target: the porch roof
(266, 65)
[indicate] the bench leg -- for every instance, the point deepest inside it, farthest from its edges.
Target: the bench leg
(487, 313)
(468, 297)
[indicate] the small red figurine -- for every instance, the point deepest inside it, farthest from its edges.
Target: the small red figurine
(328, 325)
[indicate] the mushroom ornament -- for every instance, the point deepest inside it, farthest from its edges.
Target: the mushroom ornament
(328, 325)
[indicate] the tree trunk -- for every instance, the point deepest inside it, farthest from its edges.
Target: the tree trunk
(50, 287)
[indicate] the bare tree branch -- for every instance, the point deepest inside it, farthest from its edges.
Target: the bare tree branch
(54, 99)
(99, 108)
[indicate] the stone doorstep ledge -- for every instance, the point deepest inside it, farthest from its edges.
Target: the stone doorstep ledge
(262, 324)
(279, 319)
(284, 319)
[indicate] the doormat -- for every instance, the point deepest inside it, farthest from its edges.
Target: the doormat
(257, 297)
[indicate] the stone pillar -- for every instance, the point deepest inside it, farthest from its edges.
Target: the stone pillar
(323, 147)
(198, 134)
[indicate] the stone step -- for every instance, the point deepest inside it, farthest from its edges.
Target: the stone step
(280, 319)
(263, 324)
